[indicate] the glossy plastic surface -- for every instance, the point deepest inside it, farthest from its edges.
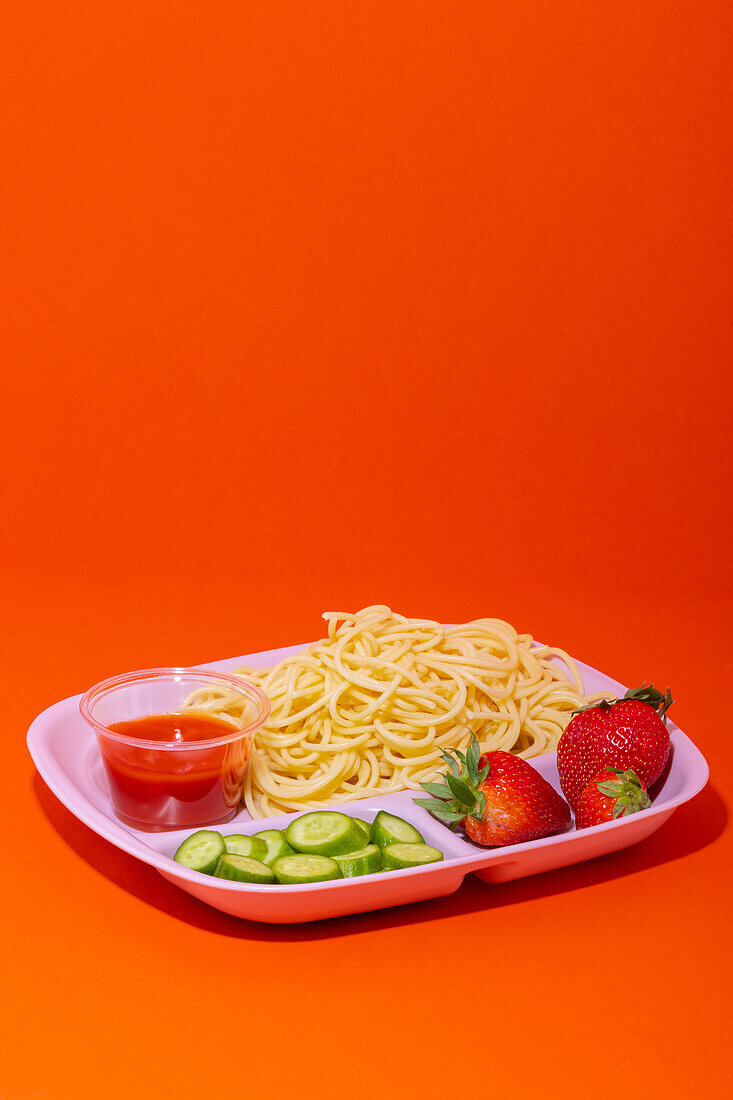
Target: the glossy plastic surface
(177, 783)
(64, 751)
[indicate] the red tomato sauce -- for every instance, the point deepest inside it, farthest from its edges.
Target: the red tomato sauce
(173, 727)
(175, 787)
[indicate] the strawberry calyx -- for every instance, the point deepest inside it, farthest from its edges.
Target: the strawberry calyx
(658, 701)
(647, 693)
(457, 794)
(627, 790)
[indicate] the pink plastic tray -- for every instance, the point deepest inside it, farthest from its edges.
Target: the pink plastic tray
(65, 753)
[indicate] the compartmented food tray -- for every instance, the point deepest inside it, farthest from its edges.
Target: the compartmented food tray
(64, 750)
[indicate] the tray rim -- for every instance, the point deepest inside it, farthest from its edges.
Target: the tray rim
(40, 734)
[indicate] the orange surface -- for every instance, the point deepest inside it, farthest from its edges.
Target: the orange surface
(317, 304)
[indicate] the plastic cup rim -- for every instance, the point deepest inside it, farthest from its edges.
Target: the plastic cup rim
(253, 693)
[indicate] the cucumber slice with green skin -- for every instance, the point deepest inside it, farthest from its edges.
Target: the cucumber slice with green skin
(388, 829)
(364, 862)
(398, 856)
(324, 833)
(276, 845)
(300, 868)
(242, 845)
(243, 869)
(365, 828)
(201, 851)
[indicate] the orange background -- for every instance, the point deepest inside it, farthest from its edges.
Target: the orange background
(311, 305)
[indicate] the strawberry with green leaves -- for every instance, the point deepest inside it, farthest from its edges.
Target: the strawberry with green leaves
(498, 798)
(611, 793)
(625, 733)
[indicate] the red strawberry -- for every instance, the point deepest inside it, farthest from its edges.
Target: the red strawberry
(498, 798)
(611, 793)
(627, 733)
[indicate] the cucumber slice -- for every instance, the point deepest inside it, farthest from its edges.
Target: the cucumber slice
(291, 870)
(364, 862)
(324, 833)
(276, 845)
(242, 845)
(201, 851)
(365, 828)
(388, 829)
(242, 869)
(396, 856)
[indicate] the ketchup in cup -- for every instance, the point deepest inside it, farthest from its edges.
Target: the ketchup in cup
(175, 744)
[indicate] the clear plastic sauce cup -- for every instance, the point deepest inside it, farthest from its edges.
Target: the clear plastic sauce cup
(175, 743)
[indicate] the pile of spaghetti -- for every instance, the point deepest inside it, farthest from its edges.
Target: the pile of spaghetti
(368, 709)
